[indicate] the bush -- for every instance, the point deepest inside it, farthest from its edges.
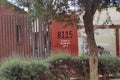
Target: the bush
(57, 67)
(17, 69)
(82, 64)
(109, 64)
(3, 78)
(58, 57)
(64, 66)
(35, 70)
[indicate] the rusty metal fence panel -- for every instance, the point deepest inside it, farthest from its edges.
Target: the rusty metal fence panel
(23, 37)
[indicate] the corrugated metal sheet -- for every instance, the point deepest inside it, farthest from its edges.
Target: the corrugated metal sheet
(21, 36)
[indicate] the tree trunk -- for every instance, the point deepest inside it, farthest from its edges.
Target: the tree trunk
(90, 9)
(93, 62)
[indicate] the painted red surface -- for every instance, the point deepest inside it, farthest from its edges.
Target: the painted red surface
(116, 27)
(9, 20)
(8, 9)
(117, 42)
(64, 38)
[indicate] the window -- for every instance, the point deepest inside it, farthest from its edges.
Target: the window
(18, 33)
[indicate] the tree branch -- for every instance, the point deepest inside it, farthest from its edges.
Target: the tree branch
(94, 6)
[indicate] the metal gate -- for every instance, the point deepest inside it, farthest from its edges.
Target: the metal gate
(23, 37)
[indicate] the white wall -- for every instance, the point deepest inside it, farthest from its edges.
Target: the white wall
(104, 37)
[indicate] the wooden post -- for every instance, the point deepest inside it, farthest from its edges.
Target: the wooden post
(117, 41)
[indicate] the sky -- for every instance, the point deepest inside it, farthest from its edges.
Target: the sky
(13, 2)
